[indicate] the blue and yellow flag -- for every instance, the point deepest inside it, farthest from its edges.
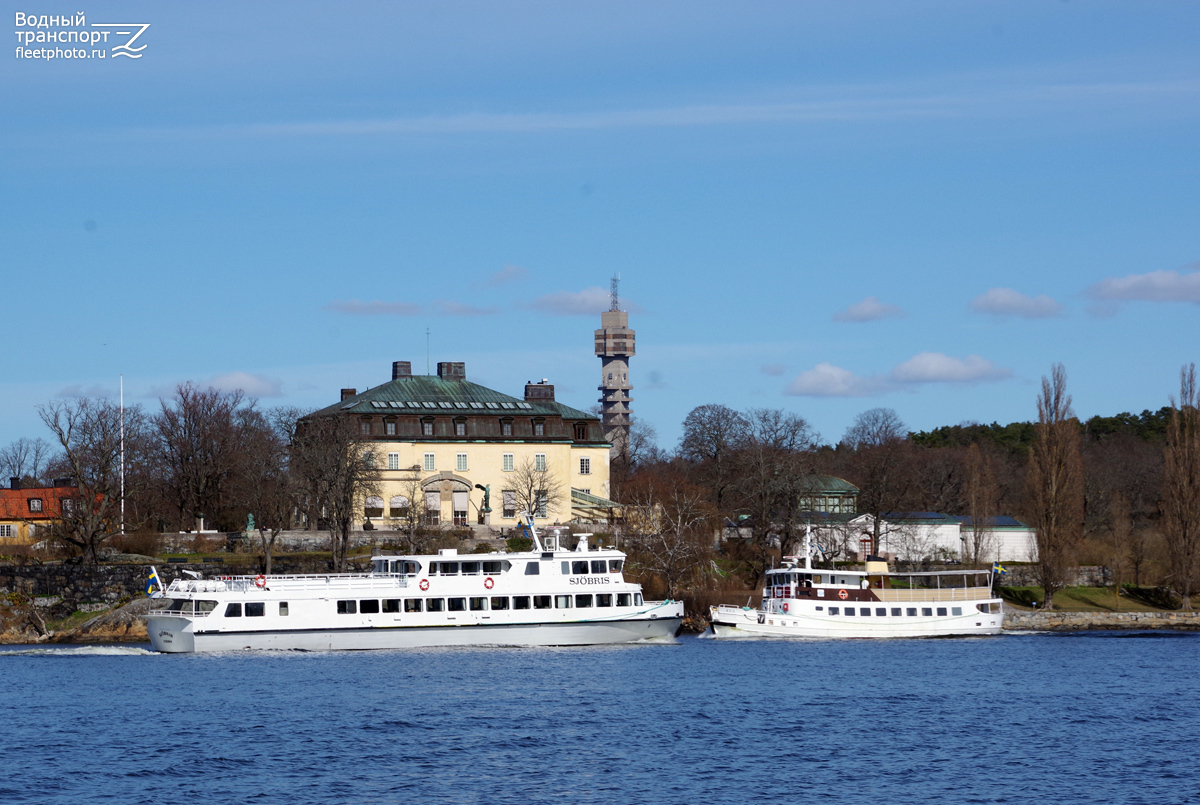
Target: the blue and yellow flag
(998, 568)
(151, 581)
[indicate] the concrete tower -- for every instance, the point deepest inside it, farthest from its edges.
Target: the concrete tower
(615, 346)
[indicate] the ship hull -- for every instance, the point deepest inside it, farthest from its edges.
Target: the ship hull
(732, 622)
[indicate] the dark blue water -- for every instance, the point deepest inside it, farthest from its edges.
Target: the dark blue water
(1015, 719)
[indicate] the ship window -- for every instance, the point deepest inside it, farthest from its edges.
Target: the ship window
(435, 604)
(599, 565)
(895, 612)
(579, 567)
(926, 611)
(470, 568)
(478, 604)
(449, 568)
(637, 599)
(911, 612)
(562, 602)
(956, 610)
(864, 611)
(255, 609)
(457, 604)
(849, 610)
(492, 568)
(941, 612)
(532, 568)
(347, 607)
(604, 600)
(833, 610)
(391, 604)
(583, 600)
(983, 607)
(369, 607)
(500, 603)
(412, 604)
(566, 568)
(233, 611)
(541, 602)
(623, 599)
(614, 565)
(820, 609)
(816, 579)
(881, 611)
(205, 607)
(520, 602)
(283, 608)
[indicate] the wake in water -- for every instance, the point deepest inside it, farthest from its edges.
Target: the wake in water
(79, 651)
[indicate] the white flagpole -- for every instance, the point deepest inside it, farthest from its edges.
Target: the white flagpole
(122, 455)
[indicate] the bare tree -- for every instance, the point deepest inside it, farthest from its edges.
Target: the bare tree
(536, 488)
(1120, 533)
(25, 459)
(712, 435)
(336, 475)
(1054, 484)
(265, 484)
(412, 510)
(89, 433)
(879, 465)
(638, 451)
(669, 526)
(201, 437)
(1181, 488)
(982, 505)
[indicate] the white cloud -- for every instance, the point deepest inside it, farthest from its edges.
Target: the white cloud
(449, 308)
(251, 385)
(934, 367)
(1007, 302)
(354, 307)
(1156, 286)
(73, 392)
(827, 380)
(869, 309)
(509, 273)
(587, 302)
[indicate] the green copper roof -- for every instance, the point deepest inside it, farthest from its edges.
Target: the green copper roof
(429, 394)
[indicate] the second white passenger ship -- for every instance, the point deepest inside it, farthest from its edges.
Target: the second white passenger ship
(549, 596)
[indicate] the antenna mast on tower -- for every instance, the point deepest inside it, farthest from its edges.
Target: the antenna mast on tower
(616, 280)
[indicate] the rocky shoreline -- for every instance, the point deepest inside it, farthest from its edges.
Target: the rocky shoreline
(1055, 621)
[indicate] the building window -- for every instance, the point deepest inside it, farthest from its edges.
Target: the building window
(509, 498)
(35, 504)
(373, 507)
(585, 466)
(364, 428)
(6, 531)
(539, 462)
(368, 460)
(430, 462)
(539, 428)
(508, 462)
(460, 462)
(586, 491)
(506, 427)
(580, 432)
(389, 428)
(541, 499)
(393, 461)
(398, 506)
(426, 427)
(460, 427)
(433, 508)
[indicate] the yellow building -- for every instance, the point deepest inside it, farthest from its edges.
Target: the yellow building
(447, 442)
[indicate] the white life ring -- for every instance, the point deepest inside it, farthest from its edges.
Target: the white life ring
(261, 581)
(424, 585)
(489, 583)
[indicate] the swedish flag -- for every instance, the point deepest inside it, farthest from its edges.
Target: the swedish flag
(151, 581)
(999, 568)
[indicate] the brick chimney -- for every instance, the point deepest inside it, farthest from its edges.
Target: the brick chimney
(539, 392)
(348, 393)
(401, 369)
(14, 483)
(452, 370)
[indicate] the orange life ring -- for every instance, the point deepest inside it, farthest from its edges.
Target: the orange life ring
(842, 594)
(489, 583)
(785, 606)
(260, 582)
(424, 585)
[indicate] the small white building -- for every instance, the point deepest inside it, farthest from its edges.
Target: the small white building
(920, 536)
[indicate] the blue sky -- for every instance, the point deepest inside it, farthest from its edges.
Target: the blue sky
(823, 207)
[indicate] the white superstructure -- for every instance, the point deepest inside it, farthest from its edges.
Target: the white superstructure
(549, 596)
(802, 601)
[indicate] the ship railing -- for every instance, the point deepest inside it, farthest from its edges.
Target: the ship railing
(925, 594)
(333, 582)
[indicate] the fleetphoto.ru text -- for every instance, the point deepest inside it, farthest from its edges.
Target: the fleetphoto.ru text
(53, 36)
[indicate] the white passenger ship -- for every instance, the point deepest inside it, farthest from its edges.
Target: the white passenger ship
(549, 596)
(801, 601)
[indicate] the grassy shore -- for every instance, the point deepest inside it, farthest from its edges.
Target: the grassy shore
(1087, 599)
